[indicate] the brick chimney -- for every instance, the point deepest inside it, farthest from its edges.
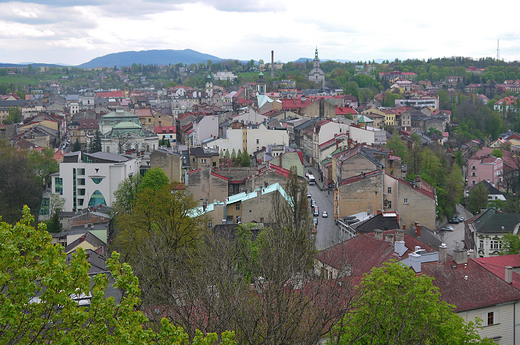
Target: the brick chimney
(509, 274)
(443, 252)
(417, 181)
(378, 234)
(418, 228)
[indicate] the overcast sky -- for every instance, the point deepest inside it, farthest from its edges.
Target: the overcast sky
(76, 31)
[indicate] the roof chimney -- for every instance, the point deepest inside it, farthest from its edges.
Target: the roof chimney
(418, 229)
(399, 235)
(443, 251)
(415, 260)
(509, 274)
(471, 254)
(418, 181)
(400, 248)
(460, 256)
(389, 238)
(378, 234)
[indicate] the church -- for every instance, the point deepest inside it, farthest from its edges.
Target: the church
(316, 74)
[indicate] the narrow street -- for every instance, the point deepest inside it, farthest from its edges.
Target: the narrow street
(328, 231)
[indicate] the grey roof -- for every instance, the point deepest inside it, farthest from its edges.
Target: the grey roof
(377, 222)
(106, 157)
(493, 222)
(491, 190)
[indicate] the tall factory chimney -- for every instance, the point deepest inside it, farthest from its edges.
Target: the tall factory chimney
(272, 64)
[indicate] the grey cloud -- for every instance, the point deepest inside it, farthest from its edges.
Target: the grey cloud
(139, 7)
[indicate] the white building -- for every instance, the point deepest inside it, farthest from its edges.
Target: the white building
(86, 180)
(432, 102)
(204, 127)
(370, 136)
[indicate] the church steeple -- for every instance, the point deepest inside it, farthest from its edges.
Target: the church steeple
(316, 58)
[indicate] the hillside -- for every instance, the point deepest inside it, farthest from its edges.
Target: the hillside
(146, 57)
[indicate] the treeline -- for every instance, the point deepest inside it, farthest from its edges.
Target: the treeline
(434, 167)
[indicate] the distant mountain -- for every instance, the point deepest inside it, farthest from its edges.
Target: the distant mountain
(33, 64)
(303, 60)
(146, 57)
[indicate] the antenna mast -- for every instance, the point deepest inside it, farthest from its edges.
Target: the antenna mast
(498, 49)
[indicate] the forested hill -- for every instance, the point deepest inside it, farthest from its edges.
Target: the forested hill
(146, 57)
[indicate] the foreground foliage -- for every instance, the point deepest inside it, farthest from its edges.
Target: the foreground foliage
(398, 307)
(39, 288)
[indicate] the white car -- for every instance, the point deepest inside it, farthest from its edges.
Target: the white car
(324, 214)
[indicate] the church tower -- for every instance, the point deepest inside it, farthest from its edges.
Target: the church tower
(261, 84)
(316, 74)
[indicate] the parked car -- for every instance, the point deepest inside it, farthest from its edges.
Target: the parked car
(324, 214)
(447, 228)
(316, 212)
(454, 220)
(460, 218)
(309, 195)
(313, 203)
(315, 229)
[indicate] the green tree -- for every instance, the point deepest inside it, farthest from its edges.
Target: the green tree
(510, 244)
(396, 306)
(39, 287)
(76, 147)
(154, 179)
(497, 153)
(15, 116)
(126, 194)
(246, 159)
(43, 164)
(95, 144)
(396, 145)
(19, 184)
(233, 156)
(478, 198)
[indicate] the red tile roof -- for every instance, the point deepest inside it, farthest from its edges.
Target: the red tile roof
(497, 266)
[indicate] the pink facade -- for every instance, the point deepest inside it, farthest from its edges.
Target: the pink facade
(487, 168)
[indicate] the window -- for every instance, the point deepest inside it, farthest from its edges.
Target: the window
(389, 204)
(258, 141)
(473, 174)
(495, 244)
(473, 182)
(389, 190)
(203, 160)
(194, 159)
(81, 182)
(237, 206)
(58, 185)
(97, 180)
(405, 201)
(491, 318)
(81, 191)
(481, 244)
(80, 202)
(81, 171)
(473, 168)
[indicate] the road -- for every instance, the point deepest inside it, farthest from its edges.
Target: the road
(328, 231)
(454, 239)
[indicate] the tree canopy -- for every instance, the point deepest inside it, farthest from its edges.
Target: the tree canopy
(40, 293)
(396, 306)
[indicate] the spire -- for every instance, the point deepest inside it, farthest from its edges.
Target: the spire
(316, 54)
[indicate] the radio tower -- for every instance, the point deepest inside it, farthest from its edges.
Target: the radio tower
(498, 49)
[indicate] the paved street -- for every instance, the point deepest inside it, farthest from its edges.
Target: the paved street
(328, 231)
(454, 239)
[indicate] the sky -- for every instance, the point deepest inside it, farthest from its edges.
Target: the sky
(75, 31)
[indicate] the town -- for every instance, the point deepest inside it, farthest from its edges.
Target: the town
(305, 175)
